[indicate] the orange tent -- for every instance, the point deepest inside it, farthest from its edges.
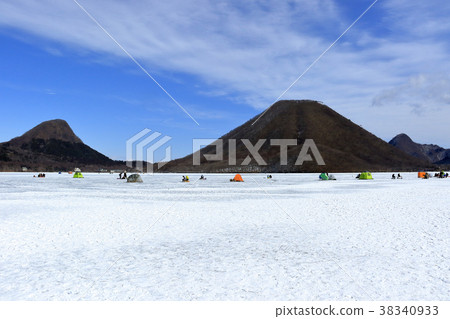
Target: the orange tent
(237, 178)
(421, 175)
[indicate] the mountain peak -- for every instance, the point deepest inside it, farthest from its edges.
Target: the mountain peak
(429, 152)
(285, 107)
(54, 129)
(401, 138)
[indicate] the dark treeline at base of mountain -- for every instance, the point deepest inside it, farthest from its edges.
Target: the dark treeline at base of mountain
(343, 146)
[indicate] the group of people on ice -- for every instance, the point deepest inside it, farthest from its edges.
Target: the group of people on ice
(425, 175)
(186, 178)
(441, 174)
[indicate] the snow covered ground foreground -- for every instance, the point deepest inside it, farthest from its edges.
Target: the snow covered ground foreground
(290, 238)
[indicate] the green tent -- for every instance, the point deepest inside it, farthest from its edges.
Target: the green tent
(78, 175)
(134, 178)
(365, 175)
(323, 177)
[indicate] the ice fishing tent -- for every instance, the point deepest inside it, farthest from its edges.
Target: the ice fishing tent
(327, 177)
(134, 178)
(237, 178)
(77, 173)
(365, 175)
(423, 175)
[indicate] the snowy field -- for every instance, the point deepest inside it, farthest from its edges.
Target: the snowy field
(290, 238)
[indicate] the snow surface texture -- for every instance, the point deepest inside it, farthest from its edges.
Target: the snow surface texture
(289, 238)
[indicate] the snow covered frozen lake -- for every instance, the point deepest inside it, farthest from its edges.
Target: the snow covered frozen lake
(290, 238)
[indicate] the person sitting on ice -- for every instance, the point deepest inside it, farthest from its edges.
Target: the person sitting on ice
(399, 176)
(393, 176)
(202, 177)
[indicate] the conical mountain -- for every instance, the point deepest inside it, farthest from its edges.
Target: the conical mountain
(53, 129)
(343, 145)
(51, 146)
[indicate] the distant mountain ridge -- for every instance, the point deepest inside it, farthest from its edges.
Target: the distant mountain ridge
(52, 146)
(344, 146)
(428, 152)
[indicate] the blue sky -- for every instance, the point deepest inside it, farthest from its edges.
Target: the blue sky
(224, 62)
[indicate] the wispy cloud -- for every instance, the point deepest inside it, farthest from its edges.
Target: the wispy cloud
(50, 92)
(126, 100)
(418, 19)
(242, 48)
(422, 93)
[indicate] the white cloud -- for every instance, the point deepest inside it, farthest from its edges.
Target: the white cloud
(242, 48)
(418, 19)
(422, 93)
